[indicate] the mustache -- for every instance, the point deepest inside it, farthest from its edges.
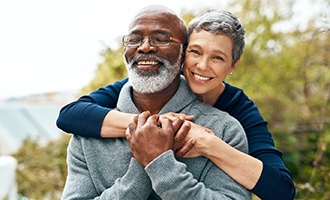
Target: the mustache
(146, 56)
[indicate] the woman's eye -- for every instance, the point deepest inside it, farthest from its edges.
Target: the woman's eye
(194, 51)
(218, 58)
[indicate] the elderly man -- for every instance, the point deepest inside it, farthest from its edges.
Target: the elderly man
(144, 165)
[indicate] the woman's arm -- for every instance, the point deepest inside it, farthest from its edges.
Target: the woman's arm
(262, 175)
(263, 170)
(85, 116)
(242, 167)
(275, 181)
(115, 124)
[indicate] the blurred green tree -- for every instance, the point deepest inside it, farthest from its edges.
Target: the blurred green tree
(286, 73)
(42, 170)
(110, 70)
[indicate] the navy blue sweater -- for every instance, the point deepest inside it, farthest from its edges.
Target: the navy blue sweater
(85, 116)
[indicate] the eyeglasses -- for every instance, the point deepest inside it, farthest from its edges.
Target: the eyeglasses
(156, 40)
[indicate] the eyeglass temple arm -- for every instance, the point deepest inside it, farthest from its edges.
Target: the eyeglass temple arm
(175, 40)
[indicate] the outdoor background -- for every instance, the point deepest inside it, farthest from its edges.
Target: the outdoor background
(284, 70)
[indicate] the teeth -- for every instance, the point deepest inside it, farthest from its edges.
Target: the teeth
(147, 63)
(202, 78)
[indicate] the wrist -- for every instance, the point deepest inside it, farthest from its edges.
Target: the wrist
(115, 124)
(206, 148)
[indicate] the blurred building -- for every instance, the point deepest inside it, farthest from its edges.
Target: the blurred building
(8, 186)
(30, 117)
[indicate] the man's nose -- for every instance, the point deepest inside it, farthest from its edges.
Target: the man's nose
(146, 46)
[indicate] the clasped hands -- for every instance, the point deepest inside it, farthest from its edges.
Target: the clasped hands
(151, 135)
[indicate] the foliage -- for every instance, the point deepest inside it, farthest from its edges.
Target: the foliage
(110, 70)
(286, 73)
(42, 169)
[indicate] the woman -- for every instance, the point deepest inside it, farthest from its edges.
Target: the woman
(215, 45)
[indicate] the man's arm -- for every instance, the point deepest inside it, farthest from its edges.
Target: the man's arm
(165, 172)
(214, 183)
(151, 142)
(135, 184)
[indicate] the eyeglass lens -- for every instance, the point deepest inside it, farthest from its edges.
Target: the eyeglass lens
(154, 40)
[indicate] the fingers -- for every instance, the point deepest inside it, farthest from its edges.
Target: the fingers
(181, 135)
(128, 134)
(152, 120)
(183, 116)
(209, 131)
(183, 131)
(132, 125)
(189, 117)
(172, 116)
(180, 153)
(177, 123)
(167, 127)
(142, 118)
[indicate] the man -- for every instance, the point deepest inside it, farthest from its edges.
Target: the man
(144, 165)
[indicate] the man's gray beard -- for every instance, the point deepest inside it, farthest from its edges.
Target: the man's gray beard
(152, 81)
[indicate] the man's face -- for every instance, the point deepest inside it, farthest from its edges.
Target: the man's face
(152, 68)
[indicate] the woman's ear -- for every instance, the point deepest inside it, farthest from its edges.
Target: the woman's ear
(233, 68)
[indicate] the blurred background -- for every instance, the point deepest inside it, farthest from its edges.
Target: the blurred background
(52, 52)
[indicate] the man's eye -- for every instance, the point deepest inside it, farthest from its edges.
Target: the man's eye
(161, 39)
(135, 39)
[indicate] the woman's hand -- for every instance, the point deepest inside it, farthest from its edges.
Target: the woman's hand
(195, 143)
(181, 126)
(173, 116)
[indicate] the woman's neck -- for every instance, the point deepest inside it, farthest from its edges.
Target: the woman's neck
(211, 96)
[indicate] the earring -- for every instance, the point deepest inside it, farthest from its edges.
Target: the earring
(230, 73)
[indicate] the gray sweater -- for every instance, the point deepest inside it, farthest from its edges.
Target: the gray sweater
(105, 169)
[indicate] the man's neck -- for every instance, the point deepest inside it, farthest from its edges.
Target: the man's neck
(156, 101)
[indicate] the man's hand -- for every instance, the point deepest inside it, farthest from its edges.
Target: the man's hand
(149, 136)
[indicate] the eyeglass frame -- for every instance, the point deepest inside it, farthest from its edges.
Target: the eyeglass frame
(171, 39)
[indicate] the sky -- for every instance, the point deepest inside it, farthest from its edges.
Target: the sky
(55, 45)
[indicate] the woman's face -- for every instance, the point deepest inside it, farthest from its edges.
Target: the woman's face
(208, 61)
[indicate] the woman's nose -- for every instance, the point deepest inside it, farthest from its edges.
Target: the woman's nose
(202, 64)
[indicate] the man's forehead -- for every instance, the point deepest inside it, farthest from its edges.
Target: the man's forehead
(155, 16)
(155, 9)
(153, 21)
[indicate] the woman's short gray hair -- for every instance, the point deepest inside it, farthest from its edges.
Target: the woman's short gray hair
(222, 23)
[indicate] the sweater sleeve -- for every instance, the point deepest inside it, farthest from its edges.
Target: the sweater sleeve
(170, 180)
(135, 184)
(85, 116)
(275, 181)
